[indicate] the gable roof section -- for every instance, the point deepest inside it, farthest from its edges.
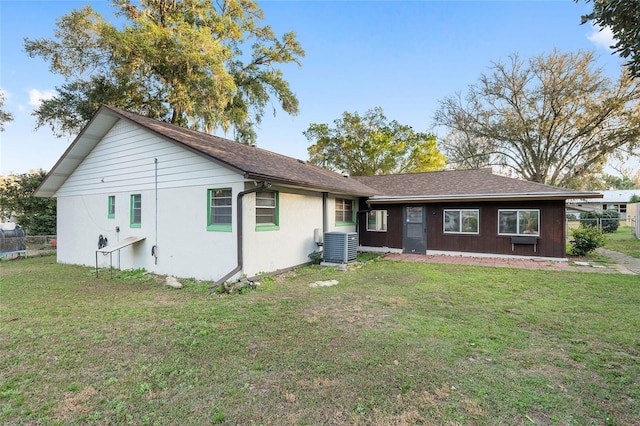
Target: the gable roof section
(461, 185)
(252, 162)
(262, 165)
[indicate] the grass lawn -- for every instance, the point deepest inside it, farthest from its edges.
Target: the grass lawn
(623, 241)
(393, 344)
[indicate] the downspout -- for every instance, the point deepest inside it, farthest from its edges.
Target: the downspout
(238, 268)
(154, 249)
(325, 220)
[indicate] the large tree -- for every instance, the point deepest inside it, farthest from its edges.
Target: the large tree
(4, 115)
(181, 61)
(623, 18)
(36, 215)
(372, 145)
(552, 119)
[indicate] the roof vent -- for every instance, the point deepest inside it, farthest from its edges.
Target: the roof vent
(301, 161)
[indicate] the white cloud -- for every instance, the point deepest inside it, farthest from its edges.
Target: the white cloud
(602, 37)
(36, 97)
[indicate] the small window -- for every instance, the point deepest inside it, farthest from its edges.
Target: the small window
(267, 211)
(461, 221)
(111, 207)
(519, 222)
(219, 209)
(136, 211)
(377, 221)
(344, 212)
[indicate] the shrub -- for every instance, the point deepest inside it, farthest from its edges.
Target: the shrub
(316, 257)
(586, 239)
(610, 221)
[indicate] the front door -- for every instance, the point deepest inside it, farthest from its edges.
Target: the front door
(415, 231)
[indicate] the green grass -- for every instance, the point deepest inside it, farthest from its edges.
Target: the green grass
(623, 241)
(394, 343)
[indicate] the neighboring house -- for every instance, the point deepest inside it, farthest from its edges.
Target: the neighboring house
(615, 199)
(466, 211)
(183, 203)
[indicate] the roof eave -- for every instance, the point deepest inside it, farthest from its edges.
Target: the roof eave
(87, 139)
(305, 185)
(480, 197)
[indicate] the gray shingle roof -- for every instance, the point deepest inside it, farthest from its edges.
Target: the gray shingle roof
(253, 162)
(260, 164)
(460, 185)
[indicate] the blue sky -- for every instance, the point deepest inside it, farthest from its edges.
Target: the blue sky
(403, 56)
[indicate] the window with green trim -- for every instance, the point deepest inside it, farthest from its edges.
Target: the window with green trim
(344, 212)
(267, 211)
(111, 207)
(219, 213)
(135, 211)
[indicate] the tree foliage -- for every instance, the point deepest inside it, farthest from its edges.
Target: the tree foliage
(600, 181)
(372, 145)
(553, 119)
(4, 115)
(617, 182)
(181, 61)
(623, 18)
(36, 215)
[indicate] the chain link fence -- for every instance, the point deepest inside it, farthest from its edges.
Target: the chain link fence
(41, 242)
(606, 223)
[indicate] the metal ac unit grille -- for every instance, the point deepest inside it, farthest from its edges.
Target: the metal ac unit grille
(340, 247)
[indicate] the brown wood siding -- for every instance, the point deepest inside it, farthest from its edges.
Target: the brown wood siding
(392, 238)
(551, 241)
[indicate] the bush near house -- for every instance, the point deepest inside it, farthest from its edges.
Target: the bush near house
(585, 239)
(608, 220)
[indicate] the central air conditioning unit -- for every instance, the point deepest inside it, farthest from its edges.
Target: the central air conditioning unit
(340, 247)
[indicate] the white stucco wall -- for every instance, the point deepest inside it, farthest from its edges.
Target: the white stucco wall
(300, 214)
(124, 163)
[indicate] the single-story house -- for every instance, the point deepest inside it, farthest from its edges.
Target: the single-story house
(614, 199)
(179, 202)
(465, 211)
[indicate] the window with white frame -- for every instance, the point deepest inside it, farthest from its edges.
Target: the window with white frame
(377, 221)
(519, 222)
(219, 209)
(266, 210)
(461, 221)
(344, 212)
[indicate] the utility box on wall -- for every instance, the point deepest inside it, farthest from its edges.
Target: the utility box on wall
(340, 247)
